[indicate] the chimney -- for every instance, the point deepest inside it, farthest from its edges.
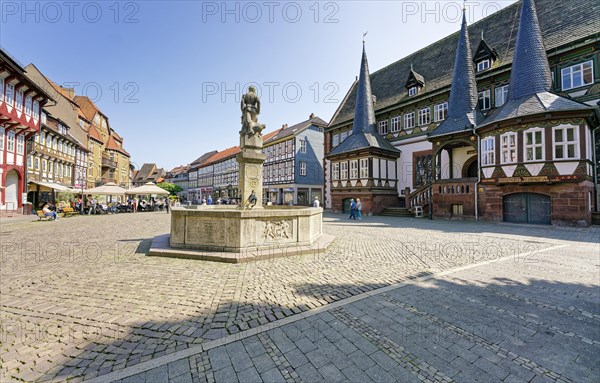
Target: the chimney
(284, 126)
(374, 98)
(312, 115)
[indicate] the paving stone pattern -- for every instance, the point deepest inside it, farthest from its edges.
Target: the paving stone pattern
(80, 300)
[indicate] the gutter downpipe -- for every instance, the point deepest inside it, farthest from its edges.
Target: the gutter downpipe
(478, 174)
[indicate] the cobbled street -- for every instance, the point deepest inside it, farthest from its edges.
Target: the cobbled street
(392, 299)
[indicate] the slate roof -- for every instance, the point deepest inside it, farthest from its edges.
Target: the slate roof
(198, 161)
(294, 129)
(364, 133)
(529, 91)
(86, 105)
(561, 22)
(145, 171)
(463, 112)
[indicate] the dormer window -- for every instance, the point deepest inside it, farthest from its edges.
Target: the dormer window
(414, 82)
(484, 56)
(483, 65)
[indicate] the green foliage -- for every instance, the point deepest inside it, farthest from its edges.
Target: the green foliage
(171, 188)
(66, 196)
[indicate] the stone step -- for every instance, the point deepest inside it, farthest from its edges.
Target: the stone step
(396, 212)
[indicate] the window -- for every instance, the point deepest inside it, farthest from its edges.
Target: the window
(424, 116)
(483, 65)
(44, 165)
(364, 168)
(396, 123)
(36, 163)
(1, 88)
(534, 145)
(409, 120)
(55, 143)
(343, 136)
(36, 109)
(20, 144)
(565, 142)
(577, 75)
(500, 93)
(335, 140)
(343, 170)
(19, 100)
(29, 162)
(10, 94)
(485, 101)
(302, 168)
(440, 111)
(303, 146)
(335, 171)
(508, 148)
(412, 91)
(10, 141)
(488, 156)
(1, 139)
(383, 127)
(28, 102)
(353, 169)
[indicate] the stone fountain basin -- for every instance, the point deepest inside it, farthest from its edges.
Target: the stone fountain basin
(227, 228)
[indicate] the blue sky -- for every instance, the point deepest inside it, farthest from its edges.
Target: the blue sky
(169, 74)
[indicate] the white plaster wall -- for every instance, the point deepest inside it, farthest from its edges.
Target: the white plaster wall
(460, 156)
(405, 162)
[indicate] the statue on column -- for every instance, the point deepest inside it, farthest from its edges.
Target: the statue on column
(250, 106)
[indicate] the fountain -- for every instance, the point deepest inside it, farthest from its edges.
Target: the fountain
(247, 231)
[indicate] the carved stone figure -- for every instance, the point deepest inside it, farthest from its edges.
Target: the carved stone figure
(250, 106)
(277, 230)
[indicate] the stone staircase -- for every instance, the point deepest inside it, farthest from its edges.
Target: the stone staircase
(595, 218)
(396, 212)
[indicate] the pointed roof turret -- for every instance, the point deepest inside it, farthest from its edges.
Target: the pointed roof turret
(463, 112)
(364, 131)
(529, 91)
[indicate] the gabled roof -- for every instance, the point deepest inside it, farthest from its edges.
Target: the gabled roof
(529, 91)
(414, 79)
(463, 112)
(202, 159)
(294, 129)
(88, 108)
(222, 155)
(561, 23)
(364, 133)
(93, 133)
(112, 144)
(484, 51)
(144, 171)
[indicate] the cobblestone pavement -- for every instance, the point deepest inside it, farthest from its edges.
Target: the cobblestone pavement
(80, 300)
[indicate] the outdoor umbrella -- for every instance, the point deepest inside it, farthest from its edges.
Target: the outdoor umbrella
(148, 189)
(106, 189)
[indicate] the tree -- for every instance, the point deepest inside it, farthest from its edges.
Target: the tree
(171, 188)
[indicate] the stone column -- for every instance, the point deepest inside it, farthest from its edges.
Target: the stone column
(251, 161)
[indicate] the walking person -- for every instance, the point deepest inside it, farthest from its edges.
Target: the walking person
(134, 205)
(352, 209)
(167, 204)
(209, 200)
(358, 209)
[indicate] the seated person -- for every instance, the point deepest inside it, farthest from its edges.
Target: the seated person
(49, 213)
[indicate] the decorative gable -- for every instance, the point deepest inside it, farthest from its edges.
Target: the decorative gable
(484, 52)
(414, 81)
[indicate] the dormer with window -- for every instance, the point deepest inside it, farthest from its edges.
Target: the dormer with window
(484, 56)
(414, 83)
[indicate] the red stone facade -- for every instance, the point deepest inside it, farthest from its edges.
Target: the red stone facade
(570, 202)
(448, 194)
(373, 203)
